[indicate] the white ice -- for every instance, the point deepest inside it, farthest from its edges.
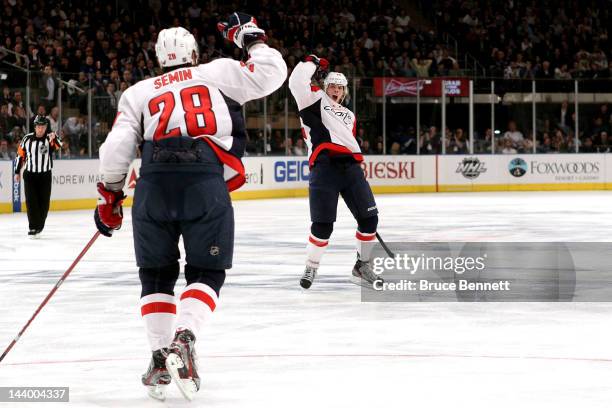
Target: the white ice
(272, 345)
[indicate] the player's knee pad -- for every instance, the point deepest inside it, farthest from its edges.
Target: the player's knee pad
(322, 230)
(211, 277)
(367, 225)
(159, 280)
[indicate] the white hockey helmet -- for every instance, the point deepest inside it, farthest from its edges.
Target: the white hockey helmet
(175, 46)
(336, 78)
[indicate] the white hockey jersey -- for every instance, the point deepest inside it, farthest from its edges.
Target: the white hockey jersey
(326, 125)
(201, 102)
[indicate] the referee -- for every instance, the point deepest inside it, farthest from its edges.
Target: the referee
(35, 151)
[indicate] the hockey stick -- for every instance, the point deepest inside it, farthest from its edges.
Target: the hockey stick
(382, 243)
(57, 285)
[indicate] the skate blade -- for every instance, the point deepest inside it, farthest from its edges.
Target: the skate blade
(157, 392)
(187, 387)
(361, 282)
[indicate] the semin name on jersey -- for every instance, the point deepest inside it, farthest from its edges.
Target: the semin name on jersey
(172, 77)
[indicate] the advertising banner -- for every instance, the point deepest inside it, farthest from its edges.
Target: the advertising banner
(399, 86)
(74, 181)
(6, 183)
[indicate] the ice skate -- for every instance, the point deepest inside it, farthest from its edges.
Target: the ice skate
(157, 378)
(364, 275)
(308, 277)
(181, 363)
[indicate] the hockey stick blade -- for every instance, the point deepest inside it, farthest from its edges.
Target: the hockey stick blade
(55, 288)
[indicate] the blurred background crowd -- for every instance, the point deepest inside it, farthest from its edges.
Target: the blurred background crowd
(79, 57)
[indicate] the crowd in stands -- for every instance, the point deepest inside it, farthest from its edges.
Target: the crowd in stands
(100, 49)
(555, 134)
(545, 39)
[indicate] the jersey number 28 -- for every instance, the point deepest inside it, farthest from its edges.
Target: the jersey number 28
(193, 110)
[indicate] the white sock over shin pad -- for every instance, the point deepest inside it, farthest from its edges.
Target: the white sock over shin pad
(158, 311)
(198, 301)
(365, 244)
(315, 250)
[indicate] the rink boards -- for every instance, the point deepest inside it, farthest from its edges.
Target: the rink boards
(270, 177)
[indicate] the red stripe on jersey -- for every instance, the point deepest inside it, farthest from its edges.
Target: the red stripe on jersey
(116, 117)
(232, 32)
(158, 307)
(314, 88)
(335, 148)
(317, 242)
(355, 127)
(233, 162)
(201, 296)
(365, 237)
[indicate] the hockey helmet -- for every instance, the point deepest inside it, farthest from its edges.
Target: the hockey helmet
(175, 46)
(41, 120)
(336, 78)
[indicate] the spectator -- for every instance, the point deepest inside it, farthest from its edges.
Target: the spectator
(395, 148)
(65, 152)
(508, 147)
(546, 145)
(565, 116)
(74, 131)
(18, 118)
(379, 147)
(5, 154)
(587, 146)
(6, 97)
(430, 142)
(365, 147)
(17, 101)
(299, 149)
(603, 145)
(54, 120)
(457, 143)
(49, 87)
(514, 135)
(421, 66)
(5, 120)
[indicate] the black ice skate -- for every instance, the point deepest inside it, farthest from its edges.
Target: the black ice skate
(181, 363)
(364, 275)
(308, 277)
(156, 379)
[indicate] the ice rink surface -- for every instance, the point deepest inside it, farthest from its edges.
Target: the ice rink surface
(272, 345)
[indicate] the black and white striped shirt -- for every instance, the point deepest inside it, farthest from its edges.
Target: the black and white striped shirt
(36, 153)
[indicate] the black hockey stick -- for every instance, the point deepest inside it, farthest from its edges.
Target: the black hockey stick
(55, 288)
(385, 247)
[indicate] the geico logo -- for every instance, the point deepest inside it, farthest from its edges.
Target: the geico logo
(389, 170)
(291, 170)
(565, 168)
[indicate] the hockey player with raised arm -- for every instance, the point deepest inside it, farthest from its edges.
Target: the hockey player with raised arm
(189, 125)
(328, 128)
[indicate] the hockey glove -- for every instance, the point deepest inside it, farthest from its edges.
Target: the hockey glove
(109, 213)
(242, 29)
(322, 66)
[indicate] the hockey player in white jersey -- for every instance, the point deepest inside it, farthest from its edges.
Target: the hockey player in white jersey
(189, 125)
(328, 128)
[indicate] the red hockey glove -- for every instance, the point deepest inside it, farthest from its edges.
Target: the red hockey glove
(321, 63)
(109, 213)
(322, 66)
(242, 29)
